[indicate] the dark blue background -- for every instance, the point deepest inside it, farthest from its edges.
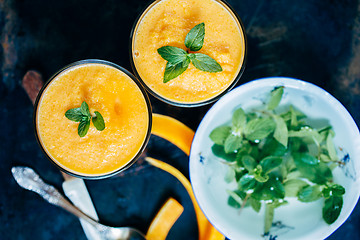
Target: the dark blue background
(315, 40)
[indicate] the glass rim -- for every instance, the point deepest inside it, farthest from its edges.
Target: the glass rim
(237, 18)
(123, 167)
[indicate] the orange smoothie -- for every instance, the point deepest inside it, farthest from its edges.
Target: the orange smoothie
(166, 23)
(105, 89)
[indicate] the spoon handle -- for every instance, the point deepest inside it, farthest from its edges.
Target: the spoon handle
(28, 179)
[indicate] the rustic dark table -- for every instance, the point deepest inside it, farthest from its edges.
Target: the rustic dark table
(315, 40)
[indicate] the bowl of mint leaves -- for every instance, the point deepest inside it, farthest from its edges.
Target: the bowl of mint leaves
(276, 158)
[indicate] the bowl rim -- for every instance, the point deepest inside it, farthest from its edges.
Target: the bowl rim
(251, 85)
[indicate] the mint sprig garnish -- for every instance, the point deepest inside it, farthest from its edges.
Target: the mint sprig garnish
(179, 59)
(83, 115)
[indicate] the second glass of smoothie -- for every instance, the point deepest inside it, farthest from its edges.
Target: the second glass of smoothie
(166, 23)
(107, 89)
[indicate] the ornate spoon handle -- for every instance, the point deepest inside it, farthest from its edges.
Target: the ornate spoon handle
(28, 179)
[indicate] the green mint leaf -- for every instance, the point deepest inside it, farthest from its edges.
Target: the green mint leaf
(249, 162)
(324, 158)
(74, 114)
(332, 208)
(297, 145)
(259, 128)
(275, 188)
(333, 190)
(293, 186)
(309, 193)
(260, 175)
(307, 132)
(247, 182)
(235, 198)
(232, 143)
(331, 148)
(85, 109)
(293, 120)
(275, 98)
(306, 159)
(194, 40)
(204, 63)
(98, 121)
(239, 118)
(219, 134)
(270, 163)
(174, 70)
(281, 131)
(218, 150)
(318, 173)
(255, 204)
(337, 190)
(83, 127)
(230, 175)
(173, 55)
(273, 147)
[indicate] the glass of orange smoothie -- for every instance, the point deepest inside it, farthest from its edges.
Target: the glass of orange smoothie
(167, 23)
(107, 89)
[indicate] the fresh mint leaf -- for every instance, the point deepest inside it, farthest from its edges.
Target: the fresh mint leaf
(275, 188)
(309, 193)
(281, 130)
(239, 118)
(249, 162)
(218, 150)
(173, 55)
(84, 108)
(236, 198)
(98, 121)
(232, 143)
(219, 134)
(337, 190)
(204, 63)
(270, 163)
(305, 158)
(307, 133)
(293, 120)
(318, 173)
(74, 114)
(332, 208)
(83, 127)
(174, 70)
(331, 148)
(247, 182)
(259, 128)
(230, 175)
(194, 40)
(275, 98)
(293, 186)
(272, 148)
(260, 175)
(255, 204)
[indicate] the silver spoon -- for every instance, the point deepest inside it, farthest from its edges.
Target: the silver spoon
(28, 179)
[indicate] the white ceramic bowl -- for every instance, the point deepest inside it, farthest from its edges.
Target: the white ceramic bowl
(299, 220)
